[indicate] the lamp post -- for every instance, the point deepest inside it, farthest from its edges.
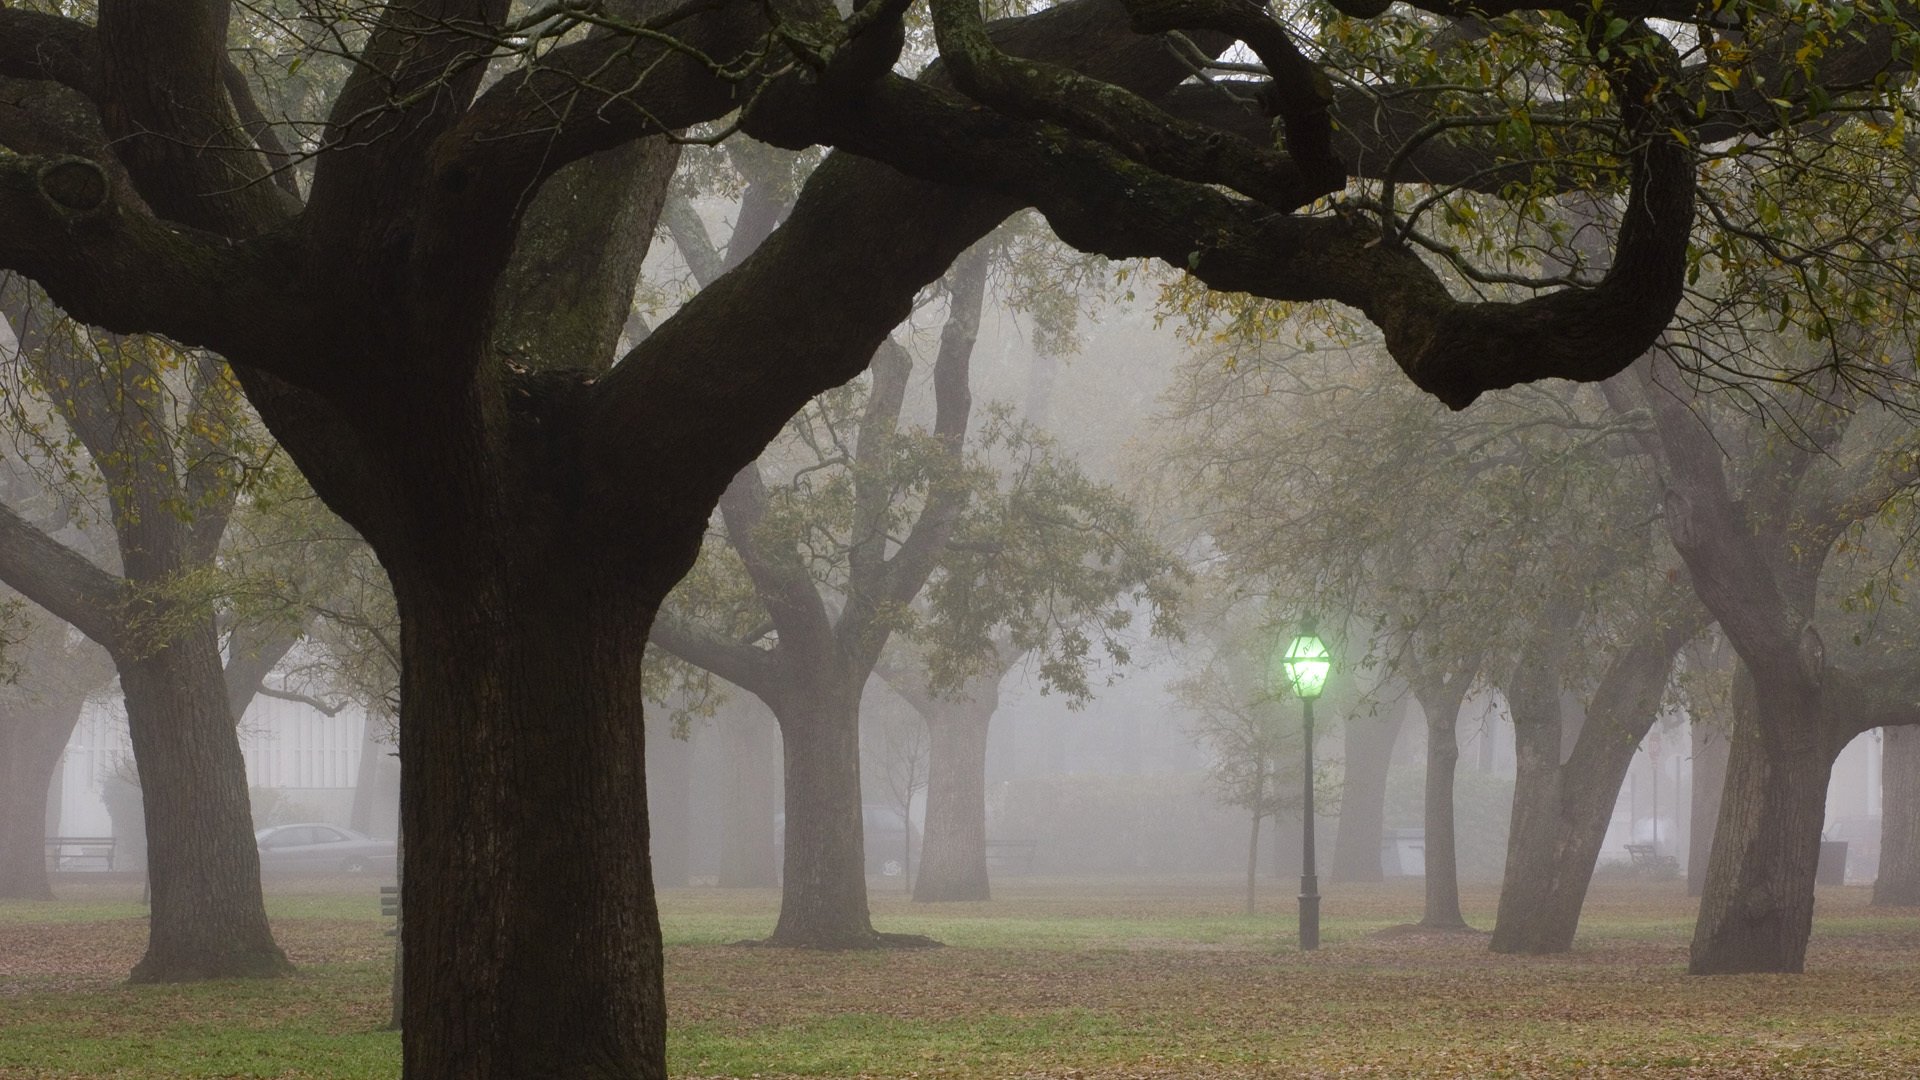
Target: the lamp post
(1307, 662)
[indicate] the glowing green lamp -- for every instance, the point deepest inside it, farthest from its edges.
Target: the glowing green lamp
(1307, 663)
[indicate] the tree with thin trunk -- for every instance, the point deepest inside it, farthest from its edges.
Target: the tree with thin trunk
(1441, 692)
(901, 745)
(881, 555)
(1045, 567)
(1236, 719)
(953, 852)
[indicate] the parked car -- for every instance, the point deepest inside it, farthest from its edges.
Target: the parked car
(315, 848)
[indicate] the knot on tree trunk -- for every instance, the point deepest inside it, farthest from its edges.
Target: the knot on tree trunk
(77, 188)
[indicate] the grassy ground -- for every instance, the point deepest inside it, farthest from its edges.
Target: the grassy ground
(1100, 981)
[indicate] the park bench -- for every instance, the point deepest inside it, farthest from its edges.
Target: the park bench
(64, 852)
(1011, 856)
(1646, 859)
(390, 907)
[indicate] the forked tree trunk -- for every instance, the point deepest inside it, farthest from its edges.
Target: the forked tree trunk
(823, 877)
(1560, 819)
(1363, 796)
(953, 857)
(532, 942)
(1442, 859)
(33, 735)
(208, 918)
(1569, 780)
(1710, 749)
(1898, 882)
(1757, 911)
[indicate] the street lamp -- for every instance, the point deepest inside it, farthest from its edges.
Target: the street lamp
(1307, 662)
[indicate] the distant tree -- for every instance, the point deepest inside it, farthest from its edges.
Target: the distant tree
(1367, 754)
(1045, 567)
(1236, 720)
(38, 711)
(900, 744)
(833, 551)
(1755, 544)
(162, 436)
(1898, 882)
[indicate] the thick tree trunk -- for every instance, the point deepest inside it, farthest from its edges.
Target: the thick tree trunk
(748, 845)
(953, 858)
(208, 918)
(1363, 795)
(1442, 861)
(532, 943)
(1710, 749)
(1898, 882)
(32, 738)
(823, 877)
(1757, 911)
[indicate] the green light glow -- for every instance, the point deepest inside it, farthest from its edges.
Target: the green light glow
(1307, 663)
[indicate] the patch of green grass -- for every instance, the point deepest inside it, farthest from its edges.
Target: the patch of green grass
(321, 1024)
(69, 911)
(1051, 978)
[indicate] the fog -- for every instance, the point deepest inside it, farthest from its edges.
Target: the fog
(1049, 605)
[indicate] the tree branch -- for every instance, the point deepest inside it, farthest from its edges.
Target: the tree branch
(750, 668)
(59, 579)
(779, 578)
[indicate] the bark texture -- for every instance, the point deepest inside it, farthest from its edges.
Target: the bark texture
(1757, 911)
(824, 868)
(520, 953)
(203, 871)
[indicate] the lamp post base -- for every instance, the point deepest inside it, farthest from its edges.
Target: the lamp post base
(1309, 913)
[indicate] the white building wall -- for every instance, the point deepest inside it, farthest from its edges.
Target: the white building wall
(311, 758)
